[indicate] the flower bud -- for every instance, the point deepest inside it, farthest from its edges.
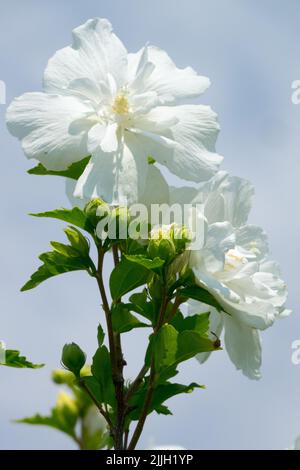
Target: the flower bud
(91, 209)
(168, 241)
(181, 237)
(73, 358)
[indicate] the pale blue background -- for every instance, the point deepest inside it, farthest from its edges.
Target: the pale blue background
(250, 50)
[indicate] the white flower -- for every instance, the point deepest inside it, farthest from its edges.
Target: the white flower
(233, 266)
(120, 108)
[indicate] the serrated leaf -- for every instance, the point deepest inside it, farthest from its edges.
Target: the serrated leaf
(198, 293)
(74, 216)
(13, 358)
(123, 321)
(55, 263)
(151, 264)
(63, 259)
(125, 277)
(74, 171)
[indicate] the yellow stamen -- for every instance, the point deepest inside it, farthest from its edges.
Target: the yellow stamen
(121, 105)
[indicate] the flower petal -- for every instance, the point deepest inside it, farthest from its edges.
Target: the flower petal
(170, 83)
(156, 188)
(187, 147)
(96, 50)
(243, 345)
(53, 129)
(117, 177)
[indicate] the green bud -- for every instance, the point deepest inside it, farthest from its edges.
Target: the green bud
(181, 236)
(166, 250)
(168, 241)
(73, 358)
(91, 209)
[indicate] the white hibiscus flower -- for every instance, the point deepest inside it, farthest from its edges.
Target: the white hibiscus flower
(120, 108)
(233, 266)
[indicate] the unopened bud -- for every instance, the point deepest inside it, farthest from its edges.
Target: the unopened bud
(73, 358)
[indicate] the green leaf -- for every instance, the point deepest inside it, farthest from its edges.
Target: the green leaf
(140, 304)
(198, 293)
(125, 277)
(170, 347)
(190, 343)
(102, 372)
(55, 263)
(198, 322)
(78, 241)
(74, 216)
(162, 393)
(100, 335)
(165, 347)
(74, 171)
(14, 359)
(151, 264)
(123, 320)
(63, 416)
(63, 259)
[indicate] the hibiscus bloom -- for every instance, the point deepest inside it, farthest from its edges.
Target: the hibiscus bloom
(120, 108)
(233, 266)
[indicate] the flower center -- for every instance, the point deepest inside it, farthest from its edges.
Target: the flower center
(120, 105)
(233, 260)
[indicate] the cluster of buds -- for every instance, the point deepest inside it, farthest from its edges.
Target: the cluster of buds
(168, 241)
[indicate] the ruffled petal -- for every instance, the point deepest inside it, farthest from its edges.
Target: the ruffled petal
(95, 53)
(169, 82)
(243, 345)
(187, 148)
(53, 129)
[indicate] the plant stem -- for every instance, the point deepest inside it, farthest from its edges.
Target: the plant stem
(98, 405)
(148, 399)
(116, 355)
(149, 395)
(135, 384)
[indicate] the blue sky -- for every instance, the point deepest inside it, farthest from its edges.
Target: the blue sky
(250, 51)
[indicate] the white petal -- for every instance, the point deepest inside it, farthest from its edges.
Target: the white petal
(74, 201)
(252, 242)
(117, 177)
(53, 129)
(85, 88)
(96, 50)
(192, 155)
(183, 195)
(143, 102)
(170, 82)
(109, 142)
(243, 346)
(156, 188)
